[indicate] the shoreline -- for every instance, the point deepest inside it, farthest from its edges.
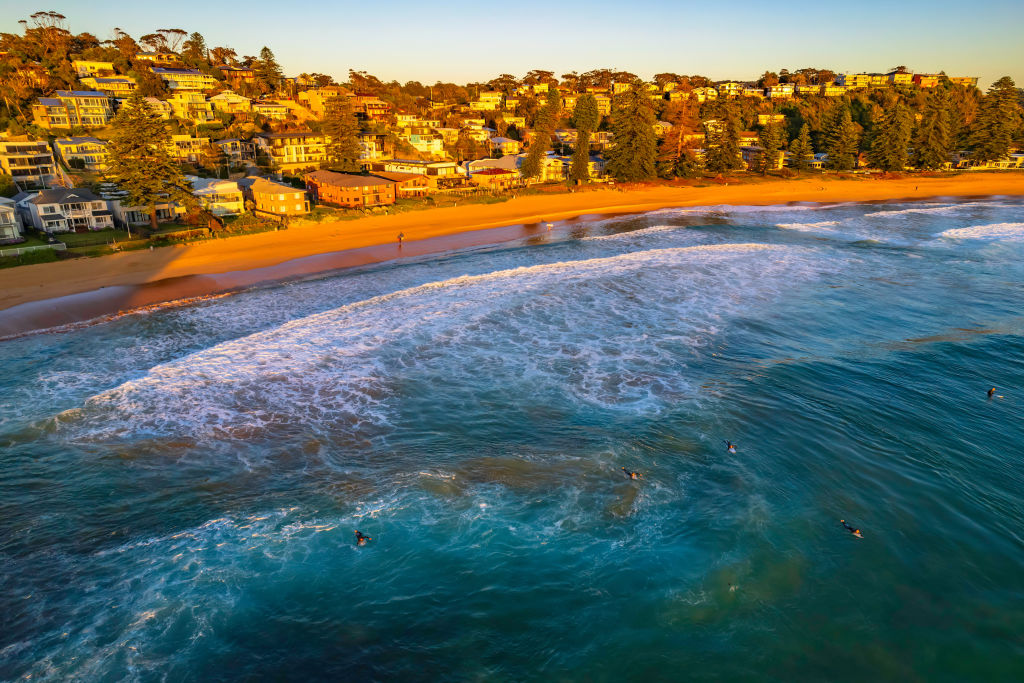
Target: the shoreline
(54, 296)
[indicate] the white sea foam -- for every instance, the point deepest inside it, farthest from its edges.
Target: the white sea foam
(609, 331)
(944, 210)
(994, 231)
(820, 226)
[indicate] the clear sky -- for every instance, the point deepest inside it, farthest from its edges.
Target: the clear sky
(460, 41)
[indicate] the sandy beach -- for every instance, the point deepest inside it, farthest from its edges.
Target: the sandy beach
(50, 294)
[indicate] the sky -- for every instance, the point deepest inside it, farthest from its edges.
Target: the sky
(459, 41)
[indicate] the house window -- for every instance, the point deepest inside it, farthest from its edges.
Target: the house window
(49, 209)
(298, 207)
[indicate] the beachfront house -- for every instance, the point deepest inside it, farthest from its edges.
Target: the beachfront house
(139, 215)
(350, 190)
(10, 223)
(67, 210)
(83, 153)
(239, 152)
(268, 196)
(439, 174)
(219, 197)
(29, 162)
(407, 184)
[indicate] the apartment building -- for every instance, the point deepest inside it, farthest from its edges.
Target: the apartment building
(73, 109)
(185, 79)
(91, 152)
(349, 190)
(191, 107)
(29, 162)
(294, 150)
(118, 87)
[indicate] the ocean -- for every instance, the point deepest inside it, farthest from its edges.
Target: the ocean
(180, 488)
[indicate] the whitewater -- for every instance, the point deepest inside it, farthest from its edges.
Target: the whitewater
(179, 488)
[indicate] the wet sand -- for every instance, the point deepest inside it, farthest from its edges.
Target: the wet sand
(52, 294)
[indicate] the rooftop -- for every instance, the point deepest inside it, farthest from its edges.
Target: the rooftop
(64, 195)
(346, 179)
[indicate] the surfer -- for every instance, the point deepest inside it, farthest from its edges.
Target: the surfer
(631, 475)
(730, 446)
(991, 392)
(361, 538)
(855, 532)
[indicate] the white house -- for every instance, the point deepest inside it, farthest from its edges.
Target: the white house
(63, 210)
(219, 197)
(10, 225)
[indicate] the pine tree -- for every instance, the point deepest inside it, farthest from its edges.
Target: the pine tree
(772, 142)
(800, 150)
(892, 135)
(635, 152)
(268, 71)
(722, 141)
(586, 118)
(676, 157)
(998, 119)
(138, 159)
(544, 127)
(342, 127)
(193, 50)
(841, 140)
(933, 140)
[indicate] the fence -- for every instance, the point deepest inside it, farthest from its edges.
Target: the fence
(18, 251)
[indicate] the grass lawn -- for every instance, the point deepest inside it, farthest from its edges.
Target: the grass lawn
(30, 241)
(84, 239)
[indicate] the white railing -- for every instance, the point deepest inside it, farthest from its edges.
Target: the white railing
(17, 251)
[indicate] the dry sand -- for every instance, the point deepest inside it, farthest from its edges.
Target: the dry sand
(141, 278)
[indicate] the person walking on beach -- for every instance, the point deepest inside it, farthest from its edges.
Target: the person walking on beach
(401, 236)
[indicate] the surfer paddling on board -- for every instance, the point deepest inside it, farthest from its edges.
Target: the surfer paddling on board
(992, 393)
(631, 475)
(855, 532)
(361, 538)
(730, 446)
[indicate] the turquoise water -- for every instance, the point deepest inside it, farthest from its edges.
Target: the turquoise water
(179, 488)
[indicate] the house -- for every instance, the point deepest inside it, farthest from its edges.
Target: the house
(765, 119)
(84, 68)
(729, 89)
(64, 210)
(140, 215)
(752, 153)
(230, 103)
(239, 152)
(439, 174)
(10, 224)
(926, 80)
(449, 135)
(780, 91)
(604, 104)
(159, 107)
(316, 100)
(219, 197)
(188, 148)
(294, 150)
(661, 128)
(899, 78)
(565, 136)
(29, 162)
(964, 81)
(350, 190)
(808, 89)
(704, 94)
(237, 75)
(833, 90)
(91, 152)
(374, 146)
(853, 81)
(496, 178)
(118, 87)
(748, 138)
(373, 107)
(157, 57)
(270, 110)
(185, 79)
(73, 109)
(505, 146)
(275, 198)
(619, 88)
(878, 80)
(191, 107)
(407, 184)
